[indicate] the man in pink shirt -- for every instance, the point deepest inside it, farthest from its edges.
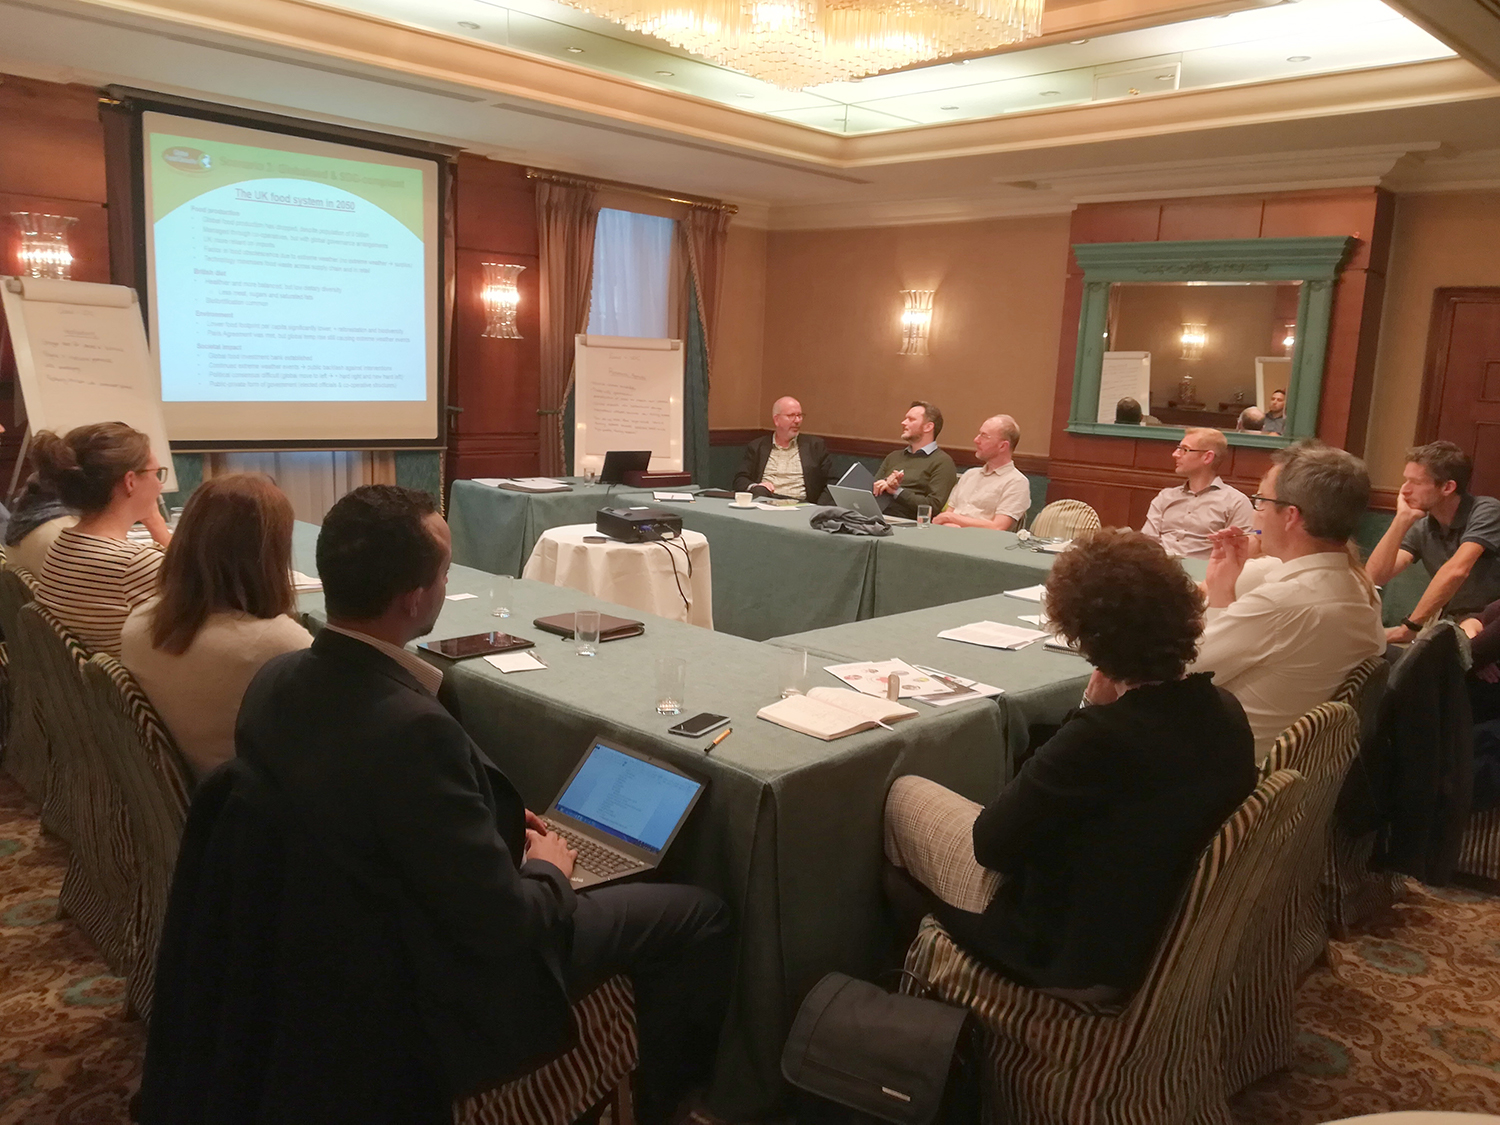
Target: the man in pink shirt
(1183, 516)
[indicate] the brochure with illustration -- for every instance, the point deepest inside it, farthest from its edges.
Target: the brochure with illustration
(871, 678)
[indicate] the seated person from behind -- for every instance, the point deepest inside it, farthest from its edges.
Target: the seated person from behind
(1251, 419)
(995, 494)
(786, 463)
(93, 576)
(1483, 682)
(1082, 856)
(1127, 412)
(34, 526)
(921, 473)
(1276, 413)
(1183, 516)
(1454, 533)
(352, 733)
(1284, 630)
(226, 607)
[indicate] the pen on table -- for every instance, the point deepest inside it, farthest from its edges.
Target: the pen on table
(725, 733)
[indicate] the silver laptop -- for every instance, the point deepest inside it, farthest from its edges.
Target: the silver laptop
(864, 502)
(620, 810)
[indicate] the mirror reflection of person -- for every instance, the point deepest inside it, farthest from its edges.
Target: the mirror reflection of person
(786, 462)
(1251, 418)
(995, 494)
(921, 473)
(1276, 413)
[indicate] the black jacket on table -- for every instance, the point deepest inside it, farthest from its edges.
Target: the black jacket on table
(351, 936)
(1100, 830)
(817, 465)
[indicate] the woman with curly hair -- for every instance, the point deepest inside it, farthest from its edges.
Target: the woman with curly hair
(1066, 880)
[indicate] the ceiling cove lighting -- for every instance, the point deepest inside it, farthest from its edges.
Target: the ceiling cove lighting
(799, 43)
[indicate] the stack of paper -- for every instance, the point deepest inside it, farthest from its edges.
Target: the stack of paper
(994, 634)
(687, 496)
(962, 689)
(524, 661)
(830, 713)
(526, 484)
(1027, 593)
(305, 583)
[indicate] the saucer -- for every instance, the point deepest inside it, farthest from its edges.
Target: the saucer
(732, 504)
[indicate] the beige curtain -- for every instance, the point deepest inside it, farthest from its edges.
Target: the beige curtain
(706, 230)
(566, 213)
(312, 481)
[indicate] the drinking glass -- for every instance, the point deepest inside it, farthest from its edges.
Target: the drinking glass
(671, 682)
(793, 671)
(501, 587)
(586, 631)
(924, 515)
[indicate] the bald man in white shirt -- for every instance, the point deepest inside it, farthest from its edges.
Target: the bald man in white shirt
(995, 494)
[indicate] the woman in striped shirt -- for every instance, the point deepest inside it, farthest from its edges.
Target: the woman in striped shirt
(93, 575)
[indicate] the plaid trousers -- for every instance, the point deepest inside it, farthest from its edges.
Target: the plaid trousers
(929, 832)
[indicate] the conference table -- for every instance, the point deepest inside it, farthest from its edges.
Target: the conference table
(773, 574)
(789, 829)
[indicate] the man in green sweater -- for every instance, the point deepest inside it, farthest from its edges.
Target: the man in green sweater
(921, 473)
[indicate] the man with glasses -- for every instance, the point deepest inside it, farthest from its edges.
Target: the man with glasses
(1183, 516)
(1285, 629)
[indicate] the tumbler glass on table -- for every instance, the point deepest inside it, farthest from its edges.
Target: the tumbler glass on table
(586, 631)
(924, 515)
(501, 588)
(671, 682)
(793, 672)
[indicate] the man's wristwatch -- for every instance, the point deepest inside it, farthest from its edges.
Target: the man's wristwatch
(1414, 626)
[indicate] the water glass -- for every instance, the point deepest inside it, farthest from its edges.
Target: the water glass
(586, 631)
(924, 515)
(793, 671)
(671, 682)
(501, 587)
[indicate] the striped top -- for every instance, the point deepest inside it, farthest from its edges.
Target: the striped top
(91, 583)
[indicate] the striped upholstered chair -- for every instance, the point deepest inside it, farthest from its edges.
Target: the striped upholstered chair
(1157, 1061)
(1064, 519)
(154, 783)
(1258, 1013)
(82, 803)
(25, 743)
(596, 1071)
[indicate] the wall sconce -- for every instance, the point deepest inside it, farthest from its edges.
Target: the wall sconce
(1194, 336)
(44, 244)
(1289, 337)
(501, 299)
(916, 321)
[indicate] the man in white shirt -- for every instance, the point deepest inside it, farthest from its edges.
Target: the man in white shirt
(1182, 517)
(1284, 630)
(995, 494)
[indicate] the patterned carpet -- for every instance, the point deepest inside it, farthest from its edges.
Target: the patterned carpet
(1405, 1017)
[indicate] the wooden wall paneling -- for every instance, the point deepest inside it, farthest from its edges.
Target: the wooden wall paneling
(1334, 411)
(496, 207)
(1116, 222)
(1344, 211)
(52, 140)
(1211, 217)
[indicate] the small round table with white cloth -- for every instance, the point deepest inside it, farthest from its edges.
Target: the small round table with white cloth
(671, 579)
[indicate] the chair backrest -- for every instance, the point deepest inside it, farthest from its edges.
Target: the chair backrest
(51, 658)
(17, 587)
(1064, 519)
(1363, 689)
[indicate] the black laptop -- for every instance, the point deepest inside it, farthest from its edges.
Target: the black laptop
(618, 462)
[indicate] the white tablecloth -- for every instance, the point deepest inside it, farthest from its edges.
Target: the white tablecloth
(644, 576)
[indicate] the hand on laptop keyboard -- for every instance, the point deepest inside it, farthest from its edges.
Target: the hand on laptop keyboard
(553, 848)
(594, 856)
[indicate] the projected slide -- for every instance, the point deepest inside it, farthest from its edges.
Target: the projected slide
(294, 278)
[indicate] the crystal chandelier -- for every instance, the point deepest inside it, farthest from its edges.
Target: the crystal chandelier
(798, 43)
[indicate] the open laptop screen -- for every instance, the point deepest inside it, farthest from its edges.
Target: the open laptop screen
(633, 800)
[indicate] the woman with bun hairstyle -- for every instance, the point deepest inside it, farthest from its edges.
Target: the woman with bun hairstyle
(93, 576)
(226, 607)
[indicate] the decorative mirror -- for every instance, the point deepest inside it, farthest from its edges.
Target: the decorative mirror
(1195, 332)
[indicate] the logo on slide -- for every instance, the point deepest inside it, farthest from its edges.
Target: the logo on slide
(192, 160)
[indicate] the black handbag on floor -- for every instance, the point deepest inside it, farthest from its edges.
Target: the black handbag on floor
(880, 1056)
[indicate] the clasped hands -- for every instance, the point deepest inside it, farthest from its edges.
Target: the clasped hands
(547, 845)
(1232, 548)
(890, 483)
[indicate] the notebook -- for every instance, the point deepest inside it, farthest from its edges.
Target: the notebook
(610, 628)
(830, 713)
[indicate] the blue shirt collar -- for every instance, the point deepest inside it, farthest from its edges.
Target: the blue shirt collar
(928, 450)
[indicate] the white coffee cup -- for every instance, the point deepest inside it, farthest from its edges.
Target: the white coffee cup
(743, 499)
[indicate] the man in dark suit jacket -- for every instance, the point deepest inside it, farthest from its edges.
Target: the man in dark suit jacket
(458, 885)
(801, 468)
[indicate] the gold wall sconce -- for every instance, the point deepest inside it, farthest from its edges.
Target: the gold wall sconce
(502, 298)
(916, 320)
(1194, 336)
(44, 248)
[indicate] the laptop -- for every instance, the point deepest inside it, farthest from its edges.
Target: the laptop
(620, 810)
(618, 462)
(864, 502)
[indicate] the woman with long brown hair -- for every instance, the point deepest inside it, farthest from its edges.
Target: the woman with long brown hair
(93, 575)
(226, 607)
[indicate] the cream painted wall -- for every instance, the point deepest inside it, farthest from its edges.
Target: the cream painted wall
(735, 383)
(832, 325)
(1443, 239)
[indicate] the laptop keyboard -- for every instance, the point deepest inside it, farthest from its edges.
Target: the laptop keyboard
(594, 856)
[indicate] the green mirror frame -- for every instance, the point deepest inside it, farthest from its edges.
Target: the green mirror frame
(1313, 261)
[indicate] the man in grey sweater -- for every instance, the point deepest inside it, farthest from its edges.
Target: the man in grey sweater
(921, 473)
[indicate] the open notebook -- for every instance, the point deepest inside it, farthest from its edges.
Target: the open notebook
(830, 713)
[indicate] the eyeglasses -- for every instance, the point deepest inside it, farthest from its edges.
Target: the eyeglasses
(1256, 500)
(160, 474)
(1190, 449)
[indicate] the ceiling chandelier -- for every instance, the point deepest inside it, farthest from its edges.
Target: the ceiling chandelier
(798, 43)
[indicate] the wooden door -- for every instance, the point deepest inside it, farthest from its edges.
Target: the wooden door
(1461, 384)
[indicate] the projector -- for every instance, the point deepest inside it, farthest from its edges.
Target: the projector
(638, 525)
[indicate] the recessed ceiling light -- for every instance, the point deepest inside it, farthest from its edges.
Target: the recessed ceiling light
(948, 107)
(747, 95)
(1049, 93)
(1078, 42)
(664, 73)
(575, 50)
(1164, 78)
(1298, 58)
(470, 26)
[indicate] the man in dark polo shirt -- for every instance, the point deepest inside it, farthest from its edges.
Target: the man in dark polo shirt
(1455, 534)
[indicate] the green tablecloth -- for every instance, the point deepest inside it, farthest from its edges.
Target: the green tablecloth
(920, 567)
(772, 572)
(789, 829)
